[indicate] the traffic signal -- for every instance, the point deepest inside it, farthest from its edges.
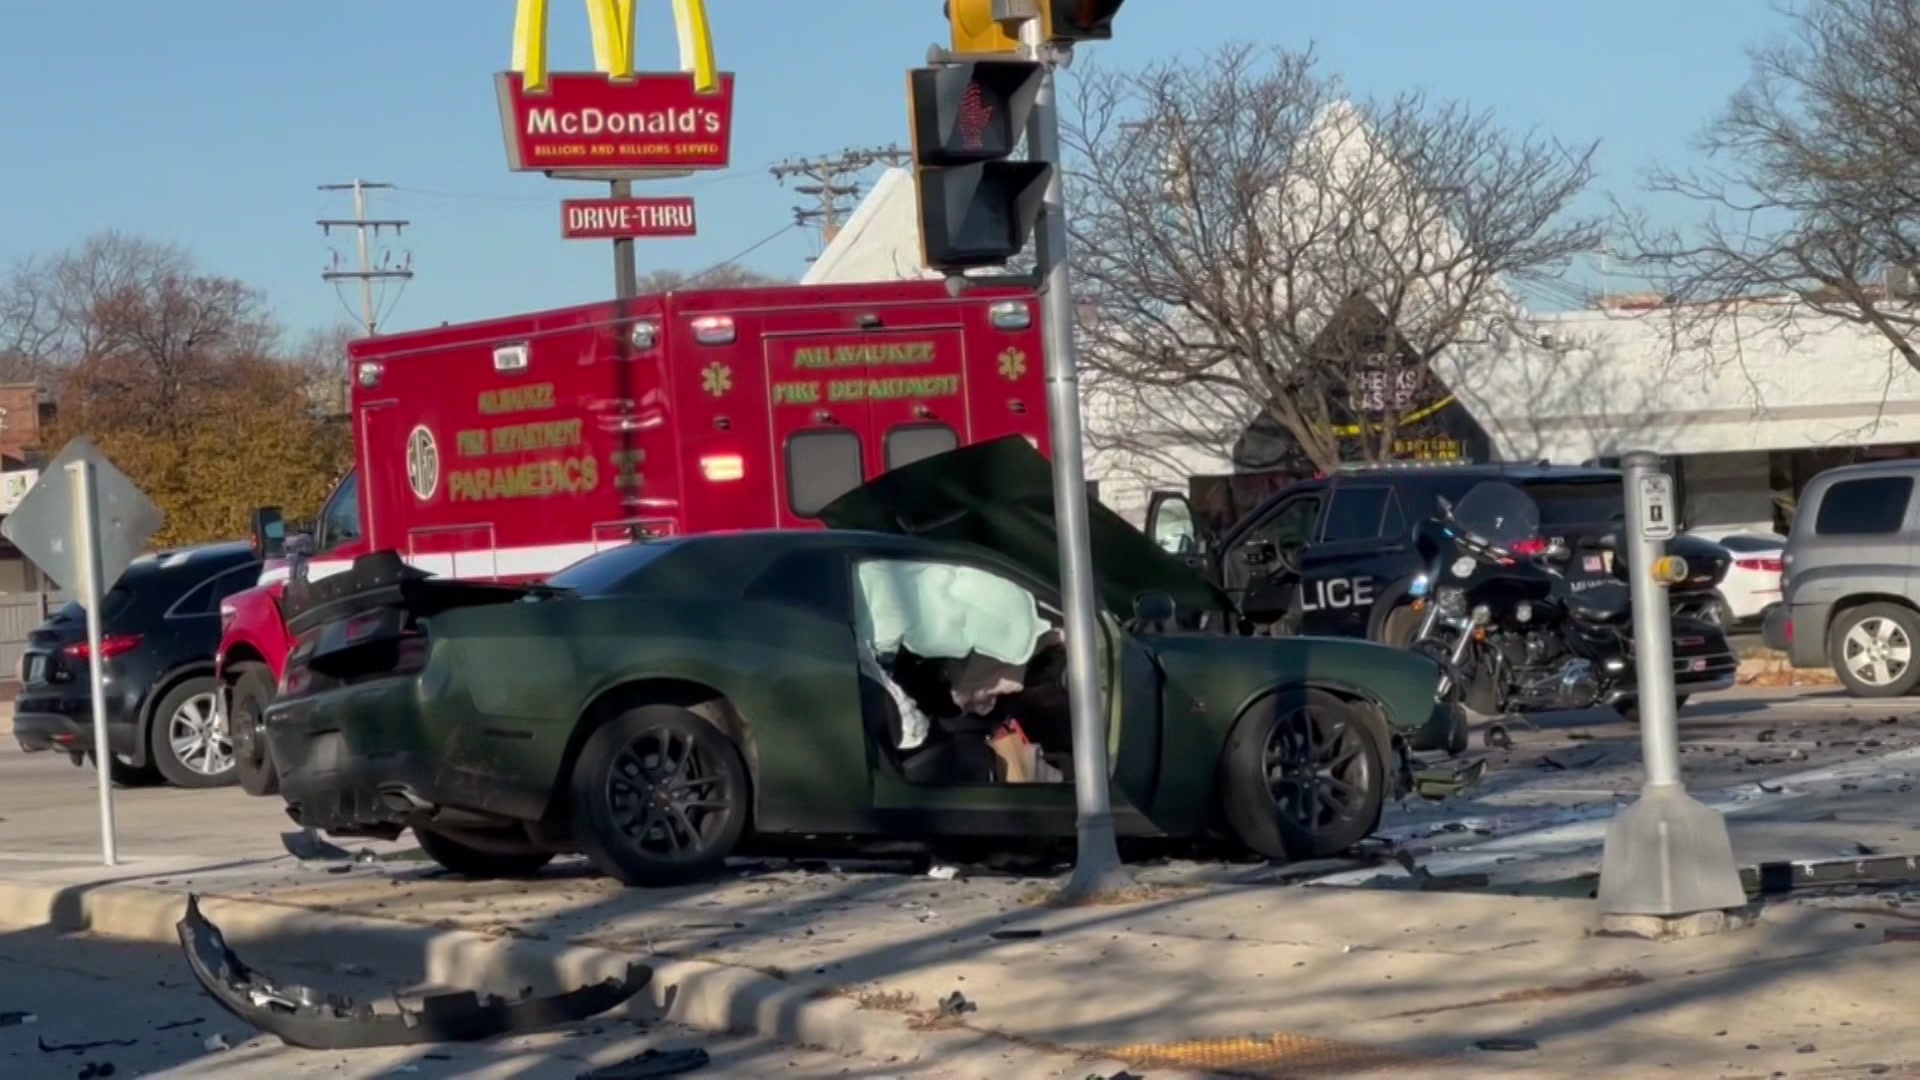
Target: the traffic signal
(976, 207)
(976, 32)
(1067, 22)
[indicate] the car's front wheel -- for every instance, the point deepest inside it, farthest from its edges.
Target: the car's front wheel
(659, 797)
(469, 861)
(246, 720)
(1306, 776)
(190, 745)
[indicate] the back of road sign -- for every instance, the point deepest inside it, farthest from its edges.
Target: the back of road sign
(42, 526)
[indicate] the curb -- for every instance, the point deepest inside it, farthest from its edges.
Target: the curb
(698, 994)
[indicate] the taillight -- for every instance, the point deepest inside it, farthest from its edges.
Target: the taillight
(1765, 566)
(110, 646)
(1535, 546)
(722, 467)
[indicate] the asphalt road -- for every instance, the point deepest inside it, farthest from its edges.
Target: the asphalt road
(48, 807)
(162, 1025)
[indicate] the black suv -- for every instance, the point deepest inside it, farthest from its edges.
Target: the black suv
(1334, 555)
(160, 628)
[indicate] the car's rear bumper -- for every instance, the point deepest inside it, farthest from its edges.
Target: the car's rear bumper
(352, 759)
(64, 723)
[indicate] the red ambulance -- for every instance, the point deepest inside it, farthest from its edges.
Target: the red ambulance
(505, 450)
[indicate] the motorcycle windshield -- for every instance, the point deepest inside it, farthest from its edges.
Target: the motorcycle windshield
(1499, 514)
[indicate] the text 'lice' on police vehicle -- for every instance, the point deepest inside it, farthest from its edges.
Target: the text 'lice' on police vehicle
(505, 450)
(1335, 554)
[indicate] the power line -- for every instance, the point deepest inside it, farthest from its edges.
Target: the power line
(367, 230)
(831, 181)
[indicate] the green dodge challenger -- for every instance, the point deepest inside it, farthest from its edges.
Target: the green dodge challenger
(899, 676)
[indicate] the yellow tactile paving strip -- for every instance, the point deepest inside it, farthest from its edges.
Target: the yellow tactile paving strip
(1277, 1056)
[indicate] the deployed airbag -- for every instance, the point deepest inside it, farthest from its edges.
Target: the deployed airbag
(317, 1020)
(944, 612)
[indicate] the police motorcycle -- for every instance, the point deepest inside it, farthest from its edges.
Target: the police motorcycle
(1513, 635)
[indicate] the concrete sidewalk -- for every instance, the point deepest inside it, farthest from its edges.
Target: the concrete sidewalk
(1261, 980)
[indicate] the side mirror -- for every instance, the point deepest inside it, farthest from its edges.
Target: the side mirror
(269, 533)
(1154, 606)
(1260, 554)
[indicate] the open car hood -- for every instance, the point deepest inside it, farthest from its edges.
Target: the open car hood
(999, 495)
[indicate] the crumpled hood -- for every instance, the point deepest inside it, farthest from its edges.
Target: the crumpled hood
(999, 495)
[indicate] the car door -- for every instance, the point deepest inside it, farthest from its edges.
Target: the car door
(954, 806)
(1343, 571)
(1256, 569)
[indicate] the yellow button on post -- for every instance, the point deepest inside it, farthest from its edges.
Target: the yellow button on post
(1670, 570)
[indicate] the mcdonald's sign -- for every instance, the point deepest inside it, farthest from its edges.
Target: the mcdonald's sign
(615, 121)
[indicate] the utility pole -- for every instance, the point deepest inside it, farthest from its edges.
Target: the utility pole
(367, 229)
(831, 180)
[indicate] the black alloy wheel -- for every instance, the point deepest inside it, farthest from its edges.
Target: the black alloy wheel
(1306, 778)
(660, 797)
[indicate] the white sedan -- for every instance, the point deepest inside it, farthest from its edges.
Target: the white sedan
(1753, 579)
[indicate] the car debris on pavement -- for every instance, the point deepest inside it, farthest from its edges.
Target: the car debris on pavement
(316, 1020)
(652, 1063)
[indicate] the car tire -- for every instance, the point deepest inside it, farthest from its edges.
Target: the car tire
(124, 775)
(1296, 823)
(247, 701)
(472, 862)
(1884, 624)
(190, 703)
(659, 752)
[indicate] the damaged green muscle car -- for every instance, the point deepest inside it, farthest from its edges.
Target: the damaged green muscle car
(899, 676)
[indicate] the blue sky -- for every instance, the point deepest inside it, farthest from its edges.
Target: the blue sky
(211, 122)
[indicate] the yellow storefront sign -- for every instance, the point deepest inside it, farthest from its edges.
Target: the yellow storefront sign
(615, 41)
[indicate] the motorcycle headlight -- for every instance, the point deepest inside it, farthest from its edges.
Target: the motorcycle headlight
(1419, 586)
(1451, 602)
(1463, 566)
(1523, 612)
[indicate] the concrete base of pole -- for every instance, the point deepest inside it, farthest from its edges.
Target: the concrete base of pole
(1098, 873)
(1668, 856)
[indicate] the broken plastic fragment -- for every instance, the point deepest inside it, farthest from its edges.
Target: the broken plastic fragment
(316, 1020)
(652, 1063)
(308, 845)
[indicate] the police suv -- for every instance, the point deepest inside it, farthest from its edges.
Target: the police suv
(1334, 555)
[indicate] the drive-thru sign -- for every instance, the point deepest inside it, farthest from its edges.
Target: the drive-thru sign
(81, 524)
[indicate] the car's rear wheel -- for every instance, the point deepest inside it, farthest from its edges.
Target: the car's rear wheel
(1874, 650)
(246, 720)
(1306, 776)
(659, 796)
(470, 861)
(190, 745)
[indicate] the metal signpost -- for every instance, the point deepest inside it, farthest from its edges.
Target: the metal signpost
(1096, 868)
(82, 524)
(1668, 857)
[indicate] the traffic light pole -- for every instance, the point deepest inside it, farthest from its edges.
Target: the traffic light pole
(1096, 868)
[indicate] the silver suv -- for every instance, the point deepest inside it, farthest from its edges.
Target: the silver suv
(1848, 591)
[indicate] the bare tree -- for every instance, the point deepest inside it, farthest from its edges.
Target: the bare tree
(720, 276)
(1809, 201)
(1247, 240)
(50, 307)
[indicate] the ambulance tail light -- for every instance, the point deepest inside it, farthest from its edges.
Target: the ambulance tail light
(1011, 315)
(723, 468)
(714, 330)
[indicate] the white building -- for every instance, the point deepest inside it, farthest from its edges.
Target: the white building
(1750, 408)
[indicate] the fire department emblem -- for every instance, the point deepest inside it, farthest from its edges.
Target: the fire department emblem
(717, 379)
(1013, 364)
(423, 463)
